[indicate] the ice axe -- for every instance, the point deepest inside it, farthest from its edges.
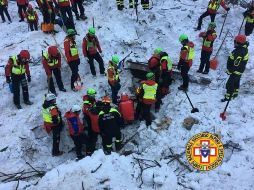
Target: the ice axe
(194, 110)
(222, 115)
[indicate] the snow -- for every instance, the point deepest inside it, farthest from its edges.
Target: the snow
(119, 33)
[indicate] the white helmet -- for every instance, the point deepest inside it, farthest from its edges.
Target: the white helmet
(50, 97)
(76, 108)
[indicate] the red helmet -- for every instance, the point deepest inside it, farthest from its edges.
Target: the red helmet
(241, 39)
(105, 99)
(53, 51)
(30, 6)
(24, 54)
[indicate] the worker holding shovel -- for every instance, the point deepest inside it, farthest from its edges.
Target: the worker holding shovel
(207, 48)
(235, 66)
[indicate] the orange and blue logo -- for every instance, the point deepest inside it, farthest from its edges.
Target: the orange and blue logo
(204, 151)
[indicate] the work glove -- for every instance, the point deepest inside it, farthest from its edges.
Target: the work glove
(8, 79)
(28, 78)
(227, 9)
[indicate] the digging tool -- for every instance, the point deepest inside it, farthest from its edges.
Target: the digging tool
(93, 22)
(214, 61)
(136, 8)
(194, 110)
(222, 115)
(223, 24)
(121, 63)
(241, 26)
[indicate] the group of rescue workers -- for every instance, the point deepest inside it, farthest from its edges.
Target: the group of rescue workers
(100, 117)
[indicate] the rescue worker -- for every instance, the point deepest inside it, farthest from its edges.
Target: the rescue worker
(78, 4)
(32, 18)
(154, 63)
(236, 64)
(166, 71)
(22, 5)
(65, 9)
(120, 4)
(4, 10)
(211, 11)
(126, 108)
(249, 18)
(17, 72)
(51, 61)
(186, 57)
(90, 47)
(88, 101)
(148, 92)
(207, 48)
(93, 128)
(76, 129)
(145, 4)
(72, 56)
(110, 123)
(52, 121)
(113, 77)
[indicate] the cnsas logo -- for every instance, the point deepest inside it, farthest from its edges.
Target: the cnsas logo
(204, 151)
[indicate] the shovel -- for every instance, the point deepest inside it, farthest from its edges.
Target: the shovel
(222, 115)
(194, 110)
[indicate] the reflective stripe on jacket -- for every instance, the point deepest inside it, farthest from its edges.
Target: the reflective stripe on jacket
(17, 69)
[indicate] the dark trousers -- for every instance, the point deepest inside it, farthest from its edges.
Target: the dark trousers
(114, 89)
(249, 28)
(47, 17)
(184, 73)
(3, 9)
(138, 111)
(58, 77)
(107, 141)
(146, 108)
(79, 141)
(66, 14)
(145, 4)
(18, 80)
(205, 14)
(93, 137)
(120, 4)
(74, 71)
(22, 11)
(56, 139)
(78, 4)
(33, 26)
(99, 59)
(232, 85)
(205, 61)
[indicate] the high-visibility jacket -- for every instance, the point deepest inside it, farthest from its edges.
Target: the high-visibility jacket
(87, 103)
(237, 60)
(31, 16)
(187, 53)
(91, 45)
(70, 49)
(166, 64)
(50, 64)
(113, 75)
(17, 69)
(75, 125)
(214, 5)
(208, 39)
(48, 113)
(110, 122)
(63, 3)
(149, 91)
(249, 15)
(14, 66)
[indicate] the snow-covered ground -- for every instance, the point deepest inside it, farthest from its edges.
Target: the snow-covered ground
(119, 33)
